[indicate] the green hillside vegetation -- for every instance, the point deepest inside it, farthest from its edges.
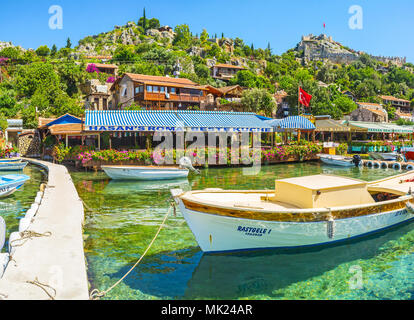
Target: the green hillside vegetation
(46, 82)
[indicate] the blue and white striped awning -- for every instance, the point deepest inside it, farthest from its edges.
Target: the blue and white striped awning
(202, 121)
(291, 123)
(131, 121)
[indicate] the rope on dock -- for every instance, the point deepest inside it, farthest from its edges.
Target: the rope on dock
(43, 286)
(27, 235)
(96, 294)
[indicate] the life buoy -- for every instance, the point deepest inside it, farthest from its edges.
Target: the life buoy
(368, 163)
(376, 164)
(410, 167)
(397, 166)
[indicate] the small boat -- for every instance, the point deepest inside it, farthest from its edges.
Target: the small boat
(384, 156)
(11, 183)
(10, 160)
(340, 160)
(147, 173)
(303, 212)
(408, 153)
(12, 166)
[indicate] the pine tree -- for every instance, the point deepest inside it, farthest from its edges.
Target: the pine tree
(144, 23)
(54, 50)
(68, 43)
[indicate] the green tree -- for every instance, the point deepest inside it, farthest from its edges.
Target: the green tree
(43, 51)
(68, 44)
(345, 104)
(53, 51)
(154, 23)
(204, 36)
(182, 36)
(259, 101)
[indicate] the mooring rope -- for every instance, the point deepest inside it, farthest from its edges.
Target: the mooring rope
(27, 235)
(42, 286)
(96, 294)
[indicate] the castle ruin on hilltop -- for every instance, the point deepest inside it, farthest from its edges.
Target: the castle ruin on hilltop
(323, 47)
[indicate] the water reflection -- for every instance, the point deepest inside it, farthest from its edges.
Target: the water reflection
(190, 274)
(128, 187)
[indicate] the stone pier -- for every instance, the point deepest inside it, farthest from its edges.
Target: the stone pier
(56, 262)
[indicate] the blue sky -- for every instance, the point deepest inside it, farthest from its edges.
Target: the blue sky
(387, 25)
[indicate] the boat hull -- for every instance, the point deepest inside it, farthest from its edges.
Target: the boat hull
(13, 166)
(216, 233)
(144, 173)
(10, 184)
(337, 162)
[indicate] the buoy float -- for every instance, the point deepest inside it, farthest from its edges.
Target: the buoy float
(30, 214)
(409, 167)
(13, 237)
(2, 233)
(376, 164)
(24, 224)
(369, 163)
(384, 165)
(4, 261)
(397, 166)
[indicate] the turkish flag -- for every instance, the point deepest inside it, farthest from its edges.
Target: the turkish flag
(304, 97)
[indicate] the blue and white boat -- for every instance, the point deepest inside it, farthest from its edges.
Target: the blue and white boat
(10, 160)
(341, 161)
(11, 183)
(12, 166)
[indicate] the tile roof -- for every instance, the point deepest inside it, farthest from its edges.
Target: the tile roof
(230, 66)
(391, 98)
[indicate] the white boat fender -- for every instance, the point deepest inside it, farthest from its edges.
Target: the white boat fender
(30, 214)
(35, 206)
(13, 237)
(331, 227)
(38, 200)
(410, 167)
(384, 165)
(24, 224)
(4, 261)
(2, 233)
(40, 193)
(376, 164)
(397, 166)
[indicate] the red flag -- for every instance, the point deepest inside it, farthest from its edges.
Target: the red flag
(324, 25)
(304, 97)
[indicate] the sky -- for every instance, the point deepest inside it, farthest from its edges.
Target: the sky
(385, 28)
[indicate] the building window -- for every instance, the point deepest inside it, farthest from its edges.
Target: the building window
(124, 91)
(162, 89)
(105, 103)
(173, 90)
(156, 89)
(149, 88)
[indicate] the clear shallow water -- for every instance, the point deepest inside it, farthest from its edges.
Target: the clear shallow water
(123, 217)
(14, 207)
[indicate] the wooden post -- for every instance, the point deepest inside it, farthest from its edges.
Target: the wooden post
(99, 141)
(67, 141)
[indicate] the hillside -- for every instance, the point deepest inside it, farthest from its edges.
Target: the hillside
(49, 79)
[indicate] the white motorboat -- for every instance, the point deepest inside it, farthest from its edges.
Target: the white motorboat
(12, 166)
(384, 156)
(304, 211)
(11, 183)
(148, 173)
(335, 160)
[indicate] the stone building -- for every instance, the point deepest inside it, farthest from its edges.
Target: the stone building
(369, 112)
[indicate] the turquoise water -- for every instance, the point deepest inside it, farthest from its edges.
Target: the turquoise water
(123, 217)
(14, 207)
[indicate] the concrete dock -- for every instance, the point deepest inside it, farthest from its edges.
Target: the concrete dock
(52, 266)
